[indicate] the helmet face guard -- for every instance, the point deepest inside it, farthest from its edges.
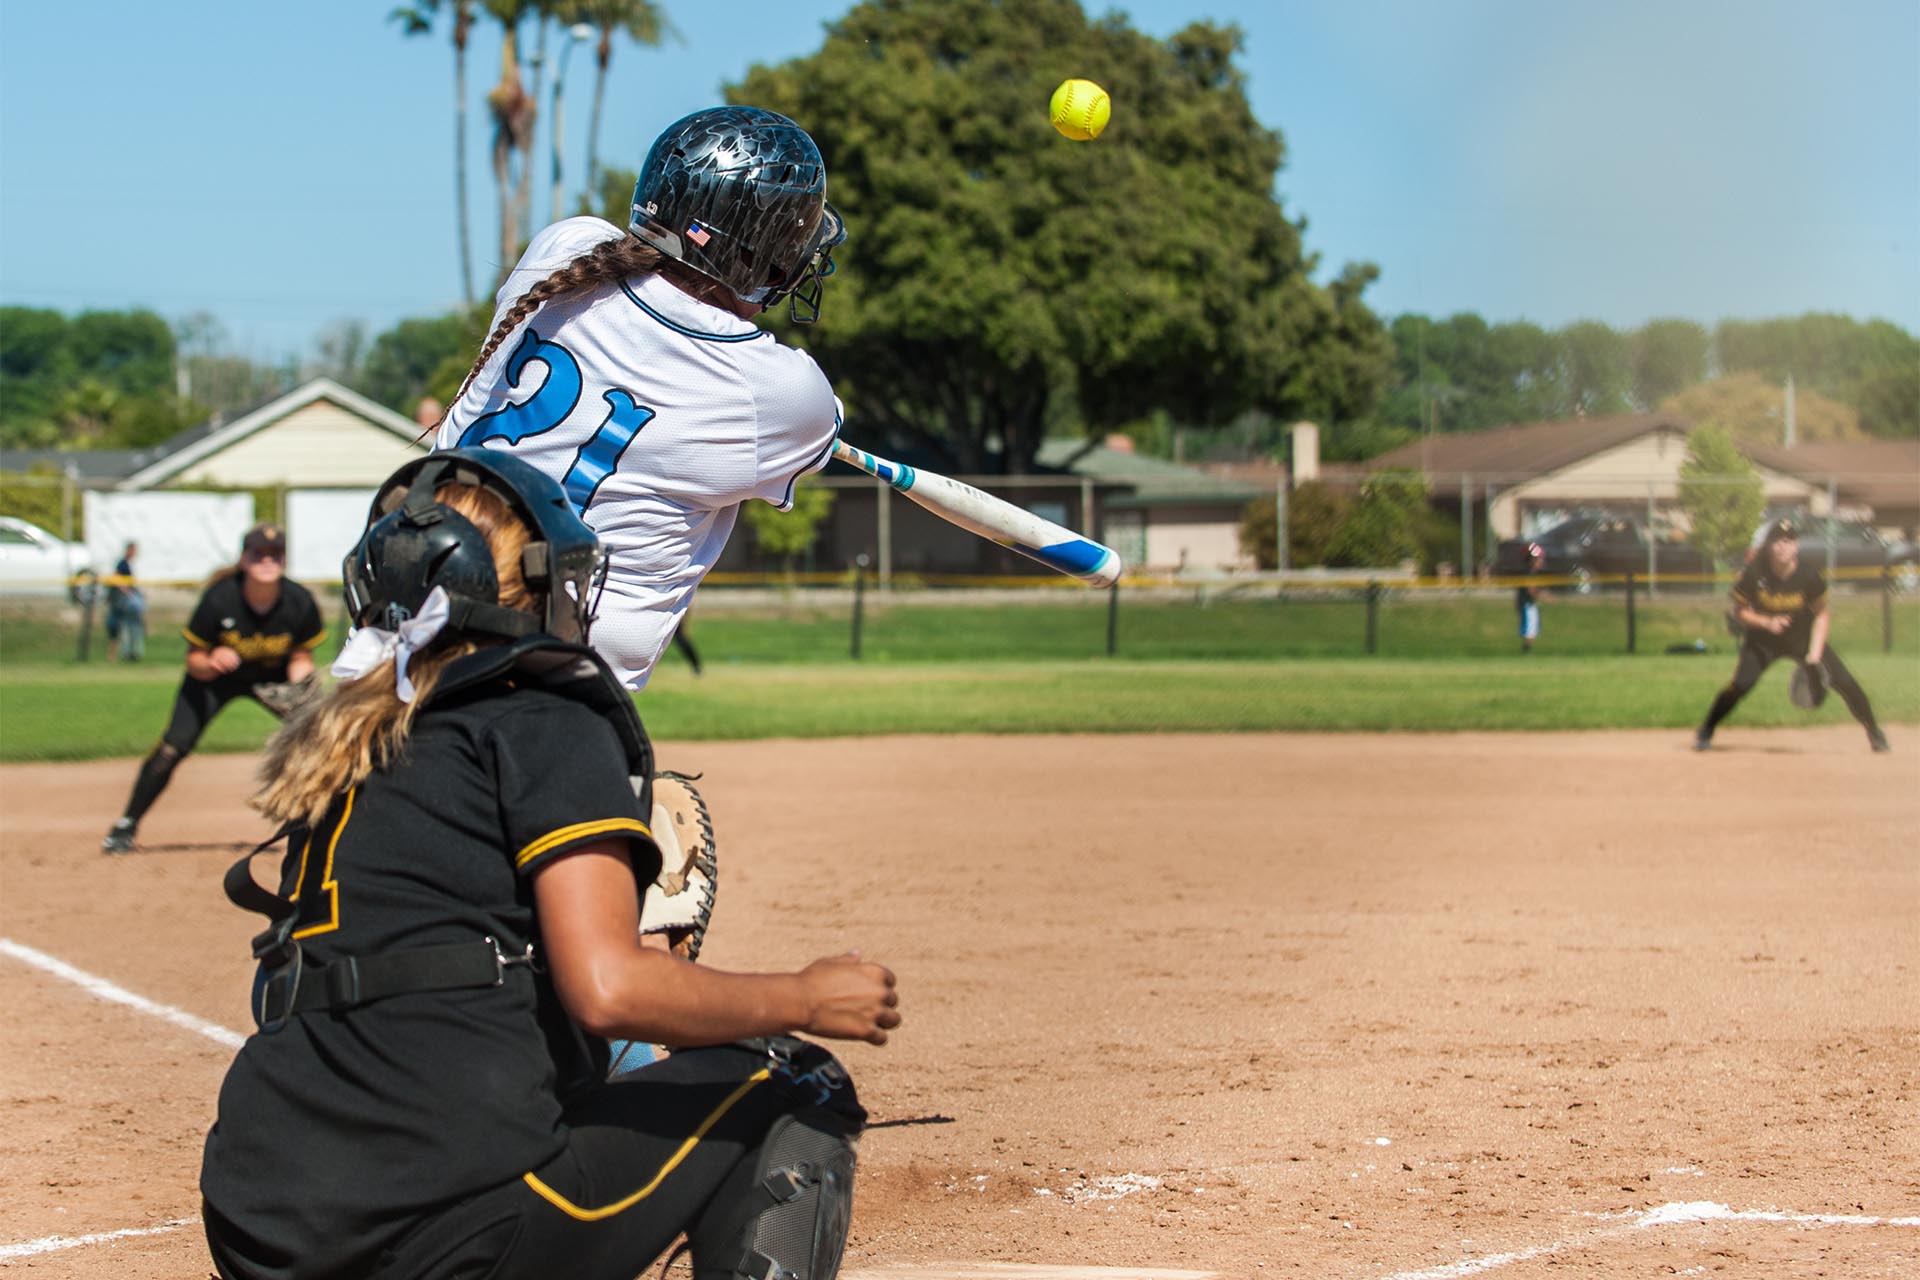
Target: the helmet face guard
(414, 543)
(738, 194)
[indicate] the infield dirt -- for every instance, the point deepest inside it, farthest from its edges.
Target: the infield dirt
(1340, 1006)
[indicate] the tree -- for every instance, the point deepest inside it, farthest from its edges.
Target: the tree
(1314, 512)
(417, 20)
(1889, 401)
(101, 379)
(341, 352)
(1594, 363)
(644, 23)
(1720, 492)
(513, 111)
(1664, 357)
(1384, 524)
(1463, 374)
(1862, 364)
(995, 268)
(423, 356)
(1754, 410)
(791, 533)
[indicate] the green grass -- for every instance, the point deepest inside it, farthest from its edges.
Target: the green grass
(1445, 664)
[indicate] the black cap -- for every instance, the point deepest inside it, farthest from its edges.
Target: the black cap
(1784, 527)
(264, 538)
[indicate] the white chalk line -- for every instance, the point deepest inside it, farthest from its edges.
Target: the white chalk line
(1664, 1215)
(53, 1244)
(98, 986)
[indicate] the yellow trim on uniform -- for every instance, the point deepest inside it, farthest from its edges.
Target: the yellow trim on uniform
(195, 640)
(318, 638)
(573, 1210)
(577, 831)
(327, 882)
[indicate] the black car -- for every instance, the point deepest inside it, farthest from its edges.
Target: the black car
(1592, 547)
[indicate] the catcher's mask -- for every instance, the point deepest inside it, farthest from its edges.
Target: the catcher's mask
(739, 194)
(414, 543)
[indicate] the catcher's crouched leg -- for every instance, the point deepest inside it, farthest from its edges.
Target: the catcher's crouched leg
(791, 1219)
(678, 905)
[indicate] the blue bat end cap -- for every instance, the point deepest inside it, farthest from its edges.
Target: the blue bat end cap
(1077, 557)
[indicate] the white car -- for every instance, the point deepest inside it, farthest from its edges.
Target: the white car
(30, 557)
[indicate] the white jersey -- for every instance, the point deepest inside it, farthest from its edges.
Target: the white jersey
(659, 414)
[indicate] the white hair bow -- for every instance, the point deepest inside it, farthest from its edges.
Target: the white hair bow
(368, 647)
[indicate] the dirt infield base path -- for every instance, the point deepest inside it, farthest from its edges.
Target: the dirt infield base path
(1344, 1006)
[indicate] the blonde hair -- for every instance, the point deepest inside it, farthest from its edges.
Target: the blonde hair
(337, 740)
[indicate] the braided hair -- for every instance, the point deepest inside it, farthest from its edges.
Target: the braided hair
(612, 260)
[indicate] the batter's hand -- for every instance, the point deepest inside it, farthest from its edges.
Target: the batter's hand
(851, 999)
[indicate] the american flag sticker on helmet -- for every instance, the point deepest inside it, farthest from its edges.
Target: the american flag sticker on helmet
(699, 234)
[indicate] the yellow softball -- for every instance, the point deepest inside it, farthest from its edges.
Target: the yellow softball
(1079, 109)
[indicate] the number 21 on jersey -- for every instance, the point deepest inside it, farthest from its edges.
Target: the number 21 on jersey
(549, 405)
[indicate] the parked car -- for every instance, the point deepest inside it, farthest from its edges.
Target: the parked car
(32, 558)
(1856, 544)
(1591, 547)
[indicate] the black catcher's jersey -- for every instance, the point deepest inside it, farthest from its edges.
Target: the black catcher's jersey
(1801, 595)
(263, 641)
(338, 1126)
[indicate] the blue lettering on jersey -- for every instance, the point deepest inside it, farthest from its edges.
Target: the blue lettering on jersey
(542, 411)
(601, 452)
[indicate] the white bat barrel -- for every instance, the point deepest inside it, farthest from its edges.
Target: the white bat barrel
(1014, 528)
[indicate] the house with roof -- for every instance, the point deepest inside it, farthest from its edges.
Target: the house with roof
(320, 435)
(1516, 480)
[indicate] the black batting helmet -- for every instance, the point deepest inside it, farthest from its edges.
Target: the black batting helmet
(739, 194)
(414, 543)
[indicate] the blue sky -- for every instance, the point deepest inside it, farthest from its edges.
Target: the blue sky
(286, 167)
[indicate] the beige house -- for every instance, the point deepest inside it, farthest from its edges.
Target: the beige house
(318, 436)
(1517, 480)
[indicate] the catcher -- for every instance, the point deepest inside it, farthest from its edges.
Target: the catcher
(252, 635)
(1780, 605)
(455, 933)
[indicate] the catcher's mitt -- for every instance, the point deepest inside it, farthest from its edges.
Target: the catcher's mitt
(287, 697)
(679, 903)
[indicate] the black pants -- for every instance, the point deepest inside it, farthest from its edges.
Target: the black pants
(671, 1148)
(194, 708)
(1753, 662)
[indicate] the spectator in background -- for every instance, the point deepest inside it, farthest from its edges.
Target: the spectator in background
(1526, 599)
(126, 611)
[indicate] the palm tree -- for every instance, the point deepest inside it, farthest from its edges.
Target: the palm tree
(417, 20)
(646, 23)
(513, 110)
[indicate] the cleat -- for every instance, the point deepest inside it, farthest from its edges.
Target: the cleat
(1703, 742)
(119, 839)
(1878, 741)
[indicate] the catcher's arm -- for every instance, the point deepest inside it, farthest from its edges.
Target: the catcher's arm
(587, 904)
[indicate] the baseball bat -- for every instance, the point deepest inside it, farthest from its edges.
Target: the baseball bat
(1014, 528)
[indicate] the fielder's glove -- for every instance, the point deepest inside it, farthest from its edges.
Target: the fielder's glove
(679, 902)
(1809, 687)
(287, 697)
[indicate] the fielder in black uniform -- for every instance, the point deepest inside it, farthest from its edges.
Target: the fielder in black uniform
(1781, 603)
(456, 934)
(253, 627)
